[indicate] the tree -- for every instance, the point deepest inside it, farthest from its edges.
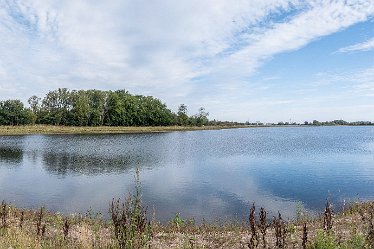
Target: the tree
(97, 102)
(90, 108)
(114, 115)
(13, 112)
(201, 118)
(80, 112)
(316, 122)
(56, 106)
(35, 107)
(182, 115)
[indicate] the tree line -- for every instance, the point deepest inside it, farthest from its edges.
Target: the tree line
(96, 108)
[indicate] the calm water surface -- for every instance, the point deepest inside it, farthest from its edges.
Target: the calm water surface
(200, 174)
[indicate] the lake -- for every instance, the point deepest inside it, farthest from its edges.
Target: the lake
(211, 175)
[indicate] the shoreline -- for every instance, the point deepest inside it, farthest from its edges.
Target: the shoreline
(55, 130)
(72, 130)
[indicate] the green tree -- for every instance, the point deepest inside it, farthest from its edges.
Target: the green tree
(13, 112)
(35, 106)
(199, 119)
(97, 102)
(81, 111)
(56, 106)
(114, 106)
(182, 115)
(202, 117)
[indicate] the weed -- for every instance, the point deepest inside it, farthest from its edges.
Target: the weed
(262, 225)
(305, 236)
(43, 230)
(21, 219)
(280, 231)
(324, 240)
(178, 222)
(356, 242)
(4, 214)
(131, 228)
(39, 221)
(65, 229)
(327, 219)
(253, 243)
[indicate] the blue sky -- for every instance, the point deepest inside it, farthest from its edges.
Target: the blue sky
(243, 60)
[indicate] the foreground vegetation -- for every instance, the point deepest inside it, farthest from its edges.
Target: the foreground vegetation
(130, 227)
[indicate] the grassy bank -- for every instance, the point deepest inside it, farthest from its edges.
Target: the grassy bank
(21, 228)
(49, 129)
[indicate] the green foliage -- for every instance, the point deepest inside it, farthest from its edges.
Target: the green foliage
(95, 108)
(201, 118)
(13, 112)
(177, 221)
(182, 115)
(327, 240)
(323, 240)
(356, 242)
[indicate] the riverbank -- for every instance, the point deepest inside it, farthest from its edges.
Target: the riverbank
(20, 228)
(49, 129)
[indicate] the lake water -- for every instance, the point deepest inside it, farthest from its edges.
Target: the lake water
(201, 174)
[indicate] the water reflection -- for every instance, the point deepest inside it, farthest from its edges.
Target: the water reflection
(69, 164)
(11, 155)
(204, 174)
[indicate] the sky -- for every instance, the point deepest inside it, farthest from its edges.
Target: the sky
(243, 60)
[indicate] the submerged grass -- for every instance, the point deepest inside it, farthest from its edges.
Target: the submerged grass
(50, 129)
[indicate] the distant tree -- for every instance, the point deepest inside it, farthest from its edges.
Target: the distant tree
(182, 115)
(114, 116)
(56, 107)
(201, 118)
(97, 102)
(316, 122)
(80, 108)
(35, 106)
(340, 122)
(89, 108)
(13, 112)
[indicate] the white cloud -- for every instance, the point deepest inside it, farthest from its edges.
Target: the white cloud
(363, 46)
(319, 19)
(179, 51)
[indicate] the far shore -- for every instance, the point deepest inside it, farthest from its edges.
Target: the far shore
(54, 129)
(50, 129)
